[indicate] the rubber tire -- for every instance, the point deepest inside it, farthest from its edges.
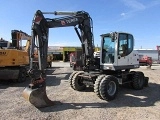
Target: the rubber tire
(71, 77)
(76, 83)
(130, 84)
(22, 75)
(103, 88)
(97, 84)
(138, 80)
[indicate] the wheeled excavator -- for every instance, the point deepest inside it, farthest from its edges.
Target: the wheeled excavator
(14, 57)
(117, 57)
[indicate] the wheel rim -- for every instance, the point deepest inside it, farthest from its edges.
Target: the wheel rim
(111, 88)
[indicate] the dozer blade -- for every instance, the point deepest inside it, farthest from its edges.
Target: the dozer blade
(37, 97)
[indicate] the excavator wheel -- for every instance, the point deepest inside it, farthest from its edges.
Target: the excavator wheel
(71, 77)
(97, 85)
(138, 80)
(77, 82)
(108, 87)
(37, 97)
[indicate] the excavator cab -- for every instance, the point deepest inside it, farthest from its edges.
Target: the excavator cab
(117, 52)
(17, 40)
(4, 44)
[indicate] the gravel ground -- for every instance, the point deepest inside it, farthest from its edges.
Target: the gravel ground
(73, 105)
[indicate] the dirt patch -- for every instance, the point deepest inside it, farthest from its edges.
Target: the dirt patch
(73, 105)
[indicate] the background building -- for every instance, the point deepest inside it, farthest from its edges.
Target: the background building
(63, 52)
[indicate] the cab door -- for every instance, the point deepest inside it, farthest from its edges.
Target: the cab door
(125, 47)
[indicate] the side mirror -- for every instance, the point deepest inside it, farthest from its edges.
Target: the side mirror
(113, 36)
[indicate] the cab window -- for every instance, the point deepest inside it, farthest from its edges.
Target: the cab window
(125, 44)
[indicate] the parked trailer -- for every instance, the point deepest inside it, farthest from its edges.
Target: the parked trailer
(145, 60)
(151, 53)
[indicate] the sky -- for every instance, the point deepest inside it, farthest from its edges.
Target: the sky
(138, 17)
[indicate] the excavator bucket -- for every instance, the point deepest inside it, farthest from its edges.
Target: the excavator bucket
(37, 97)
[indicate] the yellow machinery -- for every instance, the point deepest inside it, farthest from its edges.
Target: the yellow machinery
(49, 59)
(14, 57)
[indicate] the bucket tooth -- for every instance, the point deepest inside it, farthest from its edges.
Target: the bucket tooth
(37, 97)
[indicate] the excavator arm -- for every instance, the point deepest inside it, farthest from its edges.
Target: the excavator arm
(40, 31)
(82, 23)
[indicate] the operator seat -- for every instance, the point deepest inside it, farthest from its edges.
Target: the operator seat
(124, 50)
